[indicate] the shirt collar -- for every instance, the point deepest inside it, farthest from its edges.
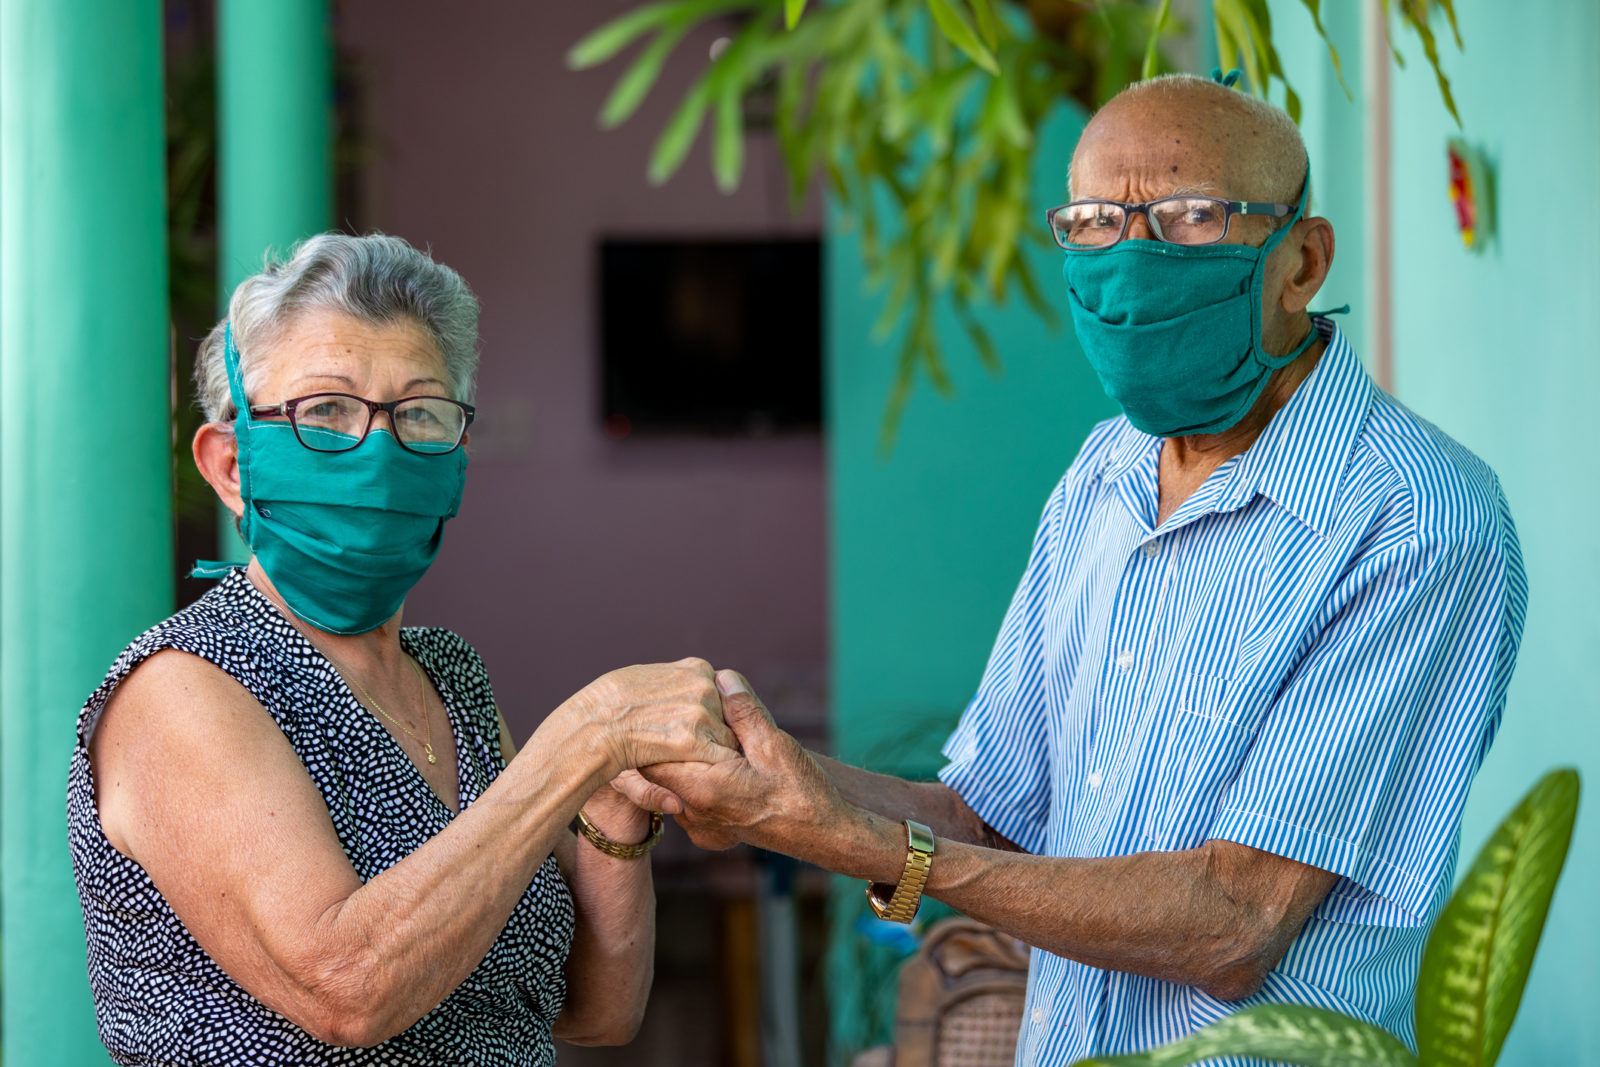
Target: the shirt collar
(1299, 460)
(1126, 449)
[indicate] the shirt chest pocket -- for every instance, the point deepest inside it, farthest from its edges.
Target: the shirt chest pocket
(1198, 745)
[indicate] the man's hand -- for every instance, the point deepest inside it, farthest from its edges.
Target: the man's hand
(773, 793)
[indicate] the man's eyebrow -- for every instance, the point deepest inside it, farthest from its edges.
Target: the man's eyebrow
(1203, 189)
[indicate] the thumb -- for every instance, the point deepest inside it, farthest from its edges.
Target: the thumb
(643, 793)
(742, 710)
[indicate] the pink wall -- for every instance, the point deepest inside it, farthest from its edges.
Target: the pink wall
(574, 554)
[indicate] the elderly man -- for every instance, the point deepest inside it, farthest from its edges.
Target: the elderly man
(1262, 643)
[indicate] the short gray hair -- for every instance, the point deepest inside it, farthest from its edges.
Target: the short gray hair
(378, 279)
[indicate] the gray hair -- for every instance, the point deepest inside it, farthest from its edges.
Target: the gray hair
(377, 279)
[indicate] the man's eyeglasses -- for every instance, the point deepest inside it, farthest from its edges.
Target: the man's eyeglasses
(1179, 220)
(338, 422)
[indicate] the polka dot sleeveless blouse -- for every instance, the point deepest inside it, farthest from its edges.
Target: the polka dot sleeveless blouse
(161, 1000)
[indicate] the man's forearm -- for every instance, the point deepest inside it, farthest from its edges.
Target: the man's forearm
(1218, 917)
(931, 803)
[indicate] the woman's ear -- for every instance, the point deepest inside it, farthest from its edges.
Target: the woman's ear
(216, 453)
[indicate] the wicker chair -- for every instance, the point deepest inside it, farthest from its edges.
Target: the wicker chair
(960, 1000)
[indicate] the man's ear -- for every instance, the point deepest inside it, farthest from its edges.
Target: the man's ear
(216, 453)
(1311, 248)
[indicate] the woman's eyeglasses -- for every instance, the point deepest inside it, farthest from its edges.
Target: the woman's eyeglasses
(338, 422)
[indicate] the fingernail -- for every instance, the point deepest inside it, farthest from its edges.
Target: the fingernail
(730, 684)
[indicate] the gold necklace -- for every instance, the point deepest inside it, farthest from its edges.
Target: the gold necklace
(427, 744)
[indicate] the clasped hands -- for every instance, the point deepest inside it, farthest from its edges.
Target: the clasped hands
(699, 745)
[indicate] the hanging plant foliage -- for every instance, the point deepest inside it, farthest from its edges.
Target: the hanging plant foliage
(920, 116)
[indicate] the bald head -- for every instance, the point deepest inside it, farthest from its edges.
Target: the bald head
(1181, 134)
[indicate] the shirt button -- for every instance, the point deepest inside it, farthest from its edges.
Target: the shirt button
(1038, 1016)
(1152, 549)
(1094, 779)
(1124, 661)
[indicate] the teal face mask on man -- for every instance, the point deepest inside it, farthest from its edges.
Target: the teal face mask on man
(343, 535)
(1174, 331)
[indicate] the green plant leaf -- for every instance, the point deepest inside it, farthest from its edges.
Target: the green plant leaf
(727, 144)
(1234, 25)
(1289, 1033)
(1478, 956)
(1148, 69)
(959, 32)
(792, 10)
(982, 344)
(989, 25)
(1430, 49)
(1315, 7)
(604, 42)
(1388, 34)
(679, 133)
(636, 82)
(1450, 13)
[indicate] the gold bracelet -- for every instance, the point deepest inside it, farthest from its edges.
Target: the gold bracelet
(592, 834)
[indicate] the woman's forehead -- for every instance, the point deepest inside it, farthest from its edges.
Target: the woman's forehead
(339, 343)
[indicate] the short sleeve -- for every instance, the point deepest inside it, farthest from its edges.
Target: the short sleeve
(1362, 764)
(998, 754)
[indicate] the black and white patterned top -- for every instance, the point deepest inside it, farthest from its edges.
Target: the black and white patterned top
(161, 1000)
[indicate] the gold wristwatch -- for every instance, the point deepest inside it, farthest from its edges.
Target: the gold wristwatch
(899, 903)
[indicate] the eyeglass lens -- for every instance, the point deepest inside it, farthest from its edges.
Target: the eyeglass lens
(1181, 220)
(335, 423)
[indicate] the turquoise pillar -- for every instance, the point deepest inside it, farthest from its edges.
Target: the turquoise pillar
(275, 141)
(85, 484)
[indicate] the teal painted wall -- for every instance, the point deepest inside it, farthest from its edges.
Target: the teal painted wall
(1333, 125)
(1502, 350)
(929, 542)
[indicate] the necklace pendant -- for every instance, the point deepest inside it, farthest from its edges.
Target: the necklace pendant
(429, 749)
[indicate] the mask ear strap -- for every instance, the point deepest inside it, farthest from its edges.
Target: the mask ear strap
(230, 359)
(1299, 213)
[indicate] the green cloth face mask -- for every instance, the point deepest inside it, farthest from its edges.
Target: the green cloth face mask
(1174, 331)
(343, 535)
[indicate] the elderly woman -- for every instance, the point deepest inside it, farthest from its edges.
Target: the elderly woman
(300, 832)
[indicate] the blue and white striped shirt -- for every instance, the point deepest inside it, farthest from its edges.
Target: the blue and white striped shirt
(1309, 657)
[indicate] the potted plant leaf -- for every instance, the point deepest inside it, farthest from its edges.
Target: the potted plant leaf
(1474, 966)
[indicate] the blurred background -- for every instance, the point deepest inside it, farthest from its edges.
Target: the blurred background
(798, 427)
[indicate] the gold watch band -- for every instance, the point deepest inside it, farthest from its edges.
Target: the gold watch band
(906, 897)
(591, 833)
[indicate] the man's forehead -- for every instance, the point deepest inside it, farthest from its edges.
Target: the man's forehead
(1219, 142)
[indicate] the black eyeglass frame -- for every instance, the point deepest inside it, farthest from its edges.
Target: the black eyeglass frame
(288, 407)
(1230, 209)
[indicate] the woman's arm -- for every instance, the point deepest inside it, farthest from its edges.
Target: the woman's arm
(197, 784)
(612, 959)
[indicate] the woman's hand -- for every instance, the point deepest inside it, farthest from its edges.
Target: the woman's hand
(626, 820)
(657, 713)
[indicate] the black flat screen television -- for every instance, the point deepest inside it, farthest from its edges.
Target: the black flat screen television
(710, 337)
